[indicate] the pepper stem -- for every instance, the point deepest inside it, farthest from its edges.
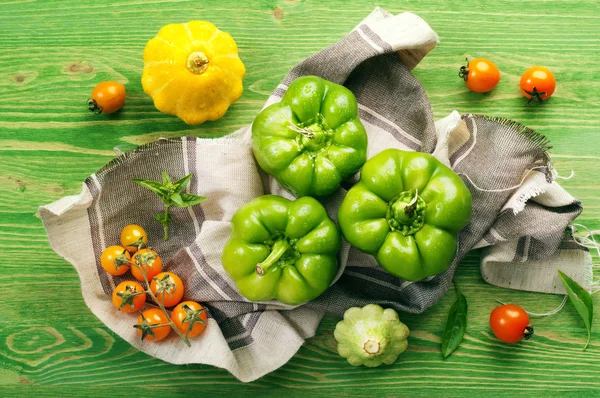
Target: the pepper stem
(371, 347)
(279, 248)
(302, 130)
(412, 205)
(313, 134)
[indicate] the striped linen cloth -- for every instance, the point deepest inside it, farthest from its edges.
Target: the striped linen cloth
(520, 215)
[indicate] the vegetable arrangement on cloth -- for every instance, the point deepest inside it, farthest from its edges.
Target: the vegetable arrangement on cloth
(388, 216)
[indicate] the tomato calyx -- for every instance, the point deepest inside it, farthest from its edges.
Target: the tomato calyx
(463, 72)
(535, 95)
(128, 295)
(94, 107)
(121, 261)
(138, 244)
(528, 332)
(146, 328)
(165, 285)
(192, 317)
(142, 259)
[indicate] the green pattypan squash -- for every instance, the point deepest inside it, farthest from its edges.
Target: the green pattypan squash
(371, 336)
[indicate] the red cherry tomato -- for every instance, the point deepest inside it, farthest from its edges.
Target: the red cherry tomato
(481, 75)
(538, 83)
(510, 323)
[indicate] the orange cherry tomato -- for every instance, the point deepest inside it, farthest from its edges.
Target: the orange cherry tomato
(128, 296)
(538, 83)
(190, 314)
(134, 238)
(510, 323)
(146, 261)
(146, 326)
(107, 97)
(115, 260)
(168, 288)
(481, 75)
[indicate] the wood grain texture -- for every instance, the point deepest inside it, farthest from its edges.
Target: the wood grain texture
(54, 52)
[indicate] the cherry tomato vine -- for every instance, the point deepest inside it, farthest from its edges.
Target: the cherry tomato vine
(165, 289)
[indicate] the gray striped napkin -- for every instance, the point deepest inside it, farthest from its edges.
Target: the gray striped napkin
(520, 215)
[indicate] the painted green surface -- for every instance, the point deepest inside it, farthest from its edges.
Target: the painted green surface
(54, 52)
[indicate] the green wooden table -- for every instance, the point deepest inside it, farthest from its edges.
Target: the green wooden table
(54, 52)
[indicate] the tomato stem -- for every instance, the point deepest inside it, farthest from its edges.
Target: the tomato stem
(120, 261)
(94, 107)
(528, 332)
(535, 95)
(139, 244)
(463, 73)
(163, 309)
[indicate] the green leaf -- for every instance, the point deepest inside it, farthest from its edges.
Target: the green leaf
(166, 179)
(154, 186)
(189, 199)
(456, 326)
(582, 301)
(177, 200)
(182, 183)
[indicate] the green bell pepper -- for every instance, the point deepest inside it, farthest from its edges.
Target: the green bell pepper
(312, 139)
(281, 249)
(406, 210)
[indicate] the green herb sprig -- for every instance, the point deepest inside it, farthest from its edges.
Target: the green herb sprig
(171, 194)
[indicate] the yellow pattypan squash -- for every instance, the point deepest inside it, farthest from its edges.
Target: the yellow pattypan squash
(193, 71)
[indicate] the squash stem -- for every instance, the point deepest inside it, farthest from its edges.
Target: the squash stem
(371, 347)
(197, 62)
(278, 250)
